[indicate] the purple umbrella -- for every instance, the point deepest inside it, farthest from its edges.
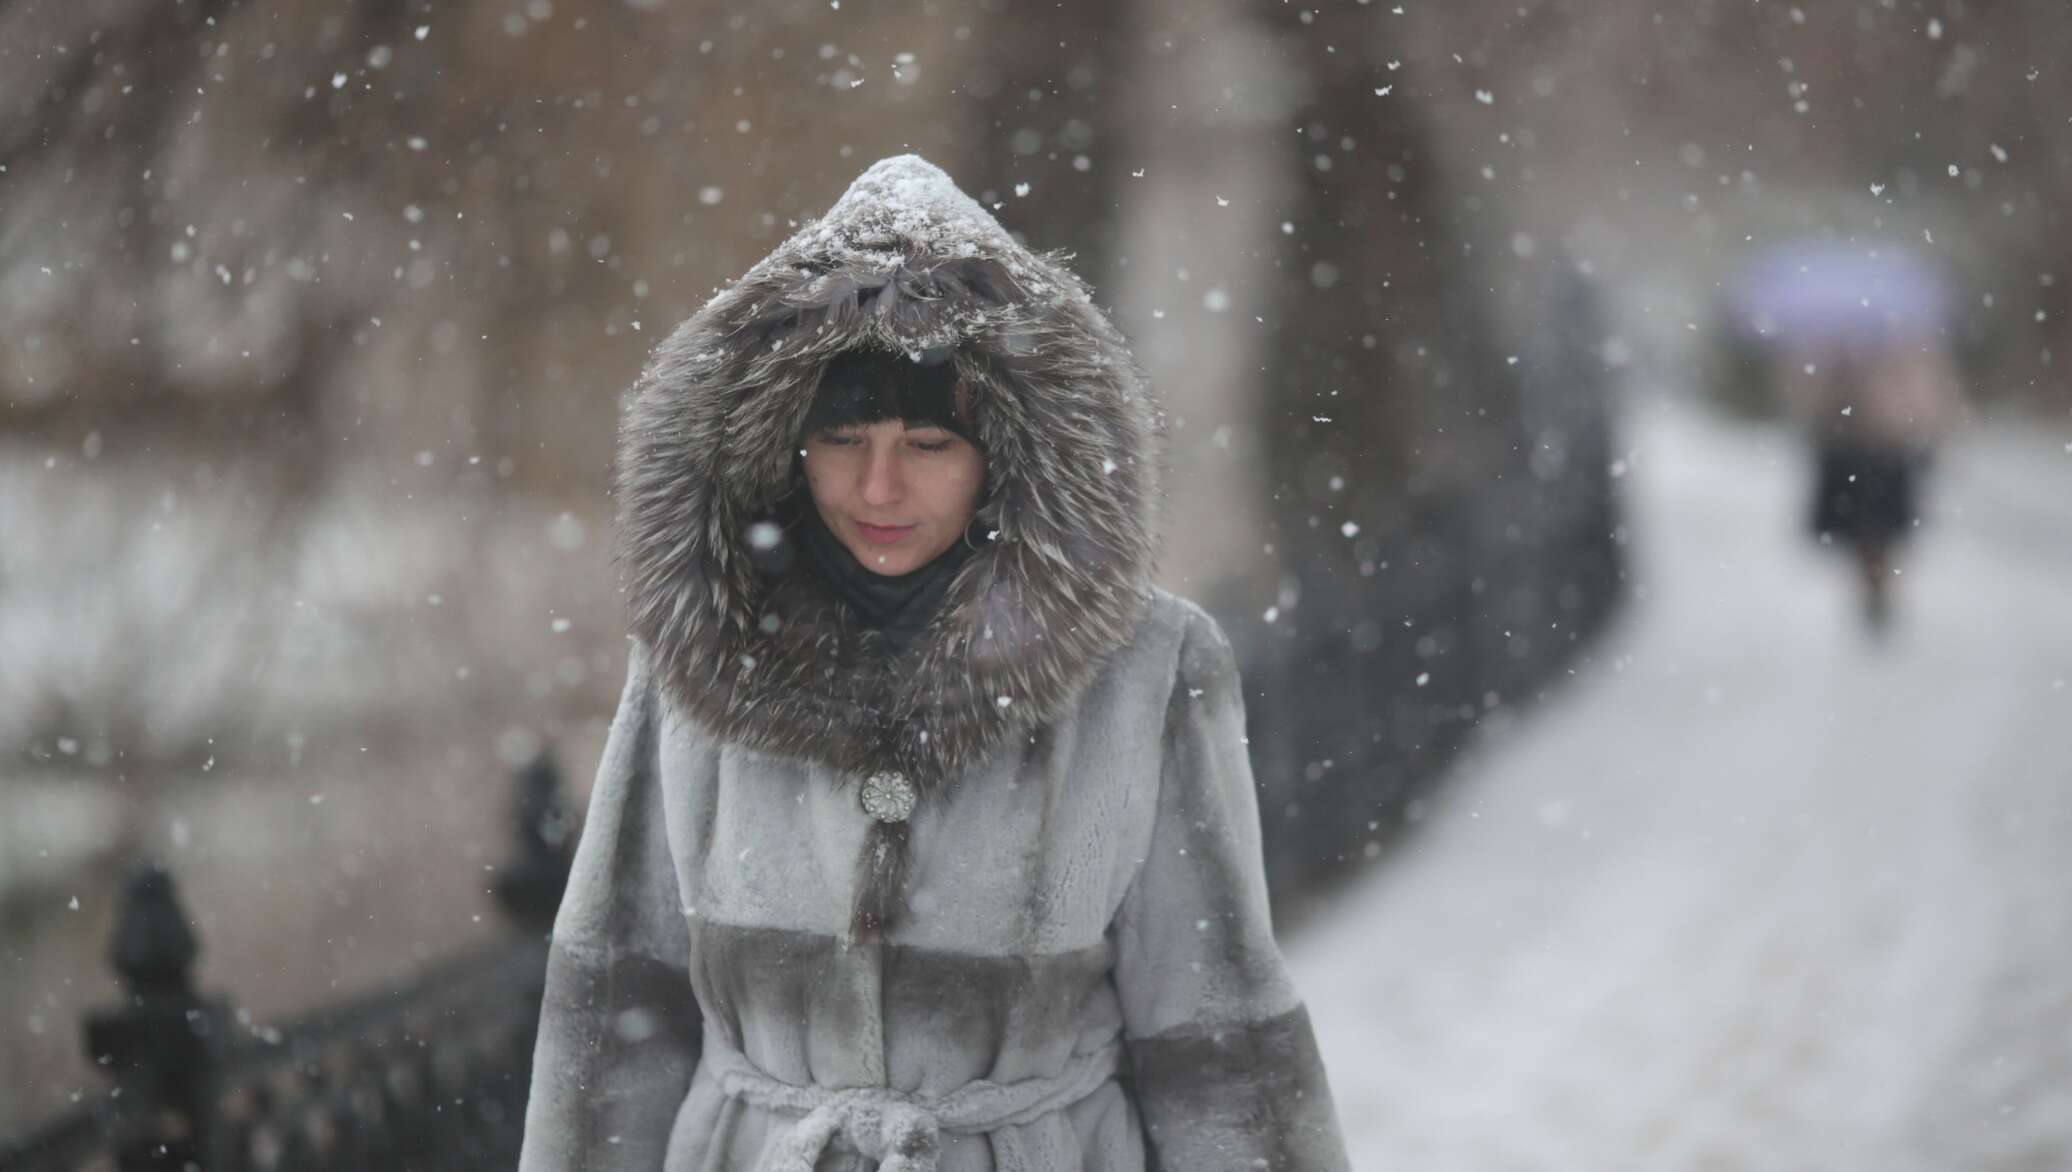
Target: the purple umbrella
(1815, 291)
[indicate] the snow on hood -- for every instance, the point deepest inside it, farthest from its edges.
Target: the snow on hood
(903, 262)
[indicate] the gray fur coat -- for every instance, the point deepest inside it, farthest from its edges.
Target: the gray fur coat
(992, 902)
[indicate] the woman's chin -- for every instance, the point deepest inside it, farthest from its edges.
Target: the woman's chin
(889, 561)
(902, 557)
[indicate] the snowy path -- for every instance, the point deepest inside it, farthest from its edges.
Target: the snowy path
(1750, 894)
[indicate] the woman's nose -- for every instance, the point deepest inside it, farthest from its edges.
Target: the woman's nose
(883, 483)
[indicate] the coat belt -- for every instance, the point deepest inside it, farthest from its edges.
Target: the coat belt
(902, 1132)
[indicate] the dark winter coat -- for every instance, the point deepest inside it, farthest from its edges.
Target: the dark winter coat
(1059, 957)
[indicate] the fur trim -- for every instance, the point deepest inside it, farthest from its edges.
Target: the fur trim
(903, 262)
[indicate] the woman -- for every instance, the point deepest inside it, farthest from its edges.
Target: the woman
(923, 806)
(1875, 404)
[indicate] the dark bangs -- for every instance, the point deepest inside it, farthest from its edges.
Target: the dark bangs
(871, 386)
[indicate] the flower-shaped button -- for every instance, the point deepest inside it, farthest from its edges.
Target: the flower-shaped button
(888, 796)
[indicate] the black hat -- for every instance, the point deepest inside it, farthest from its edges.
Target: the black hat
(869, 386)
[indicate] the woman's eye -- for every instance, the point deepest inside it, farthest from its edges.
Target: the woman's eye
(932, 445)
(836, 439)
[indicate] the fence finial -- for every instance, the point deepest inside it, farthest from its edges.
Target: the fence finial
(163, 1045)
(154, 946)
(530, 885)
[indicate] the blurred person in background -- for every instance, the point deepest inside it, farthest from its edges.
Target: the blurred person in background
(925, 836)
(1875, 408)
(1862, 362)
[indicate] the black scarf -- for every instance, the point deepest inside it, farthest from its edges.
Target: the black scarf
(898, 606)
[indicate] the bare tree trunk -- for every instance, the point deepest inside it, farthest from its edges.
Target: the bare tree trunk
(1048, 79)
(1207, 192)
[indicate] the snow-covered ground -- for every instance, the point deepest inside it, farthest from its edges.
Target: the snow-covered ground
(1751, 893)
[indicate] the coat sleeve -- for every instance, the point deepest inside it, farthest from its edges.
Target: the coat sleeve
(619, 1027)
(1225, 1065)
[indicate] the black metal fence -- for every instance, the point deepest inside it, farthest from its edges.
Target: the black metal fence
(432, 1075)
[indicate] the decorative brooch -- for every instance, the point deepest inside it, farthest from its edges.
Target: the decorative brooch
(888, 797)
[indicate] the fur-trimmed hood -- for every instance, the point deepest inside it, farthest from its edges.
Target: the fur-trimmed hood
(903, 262)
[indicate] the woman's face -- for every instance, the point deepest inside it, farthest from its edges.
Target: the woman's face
(894, 495)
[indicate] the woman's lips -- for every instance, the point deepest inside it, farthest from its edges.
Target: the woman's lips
(882, 534)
